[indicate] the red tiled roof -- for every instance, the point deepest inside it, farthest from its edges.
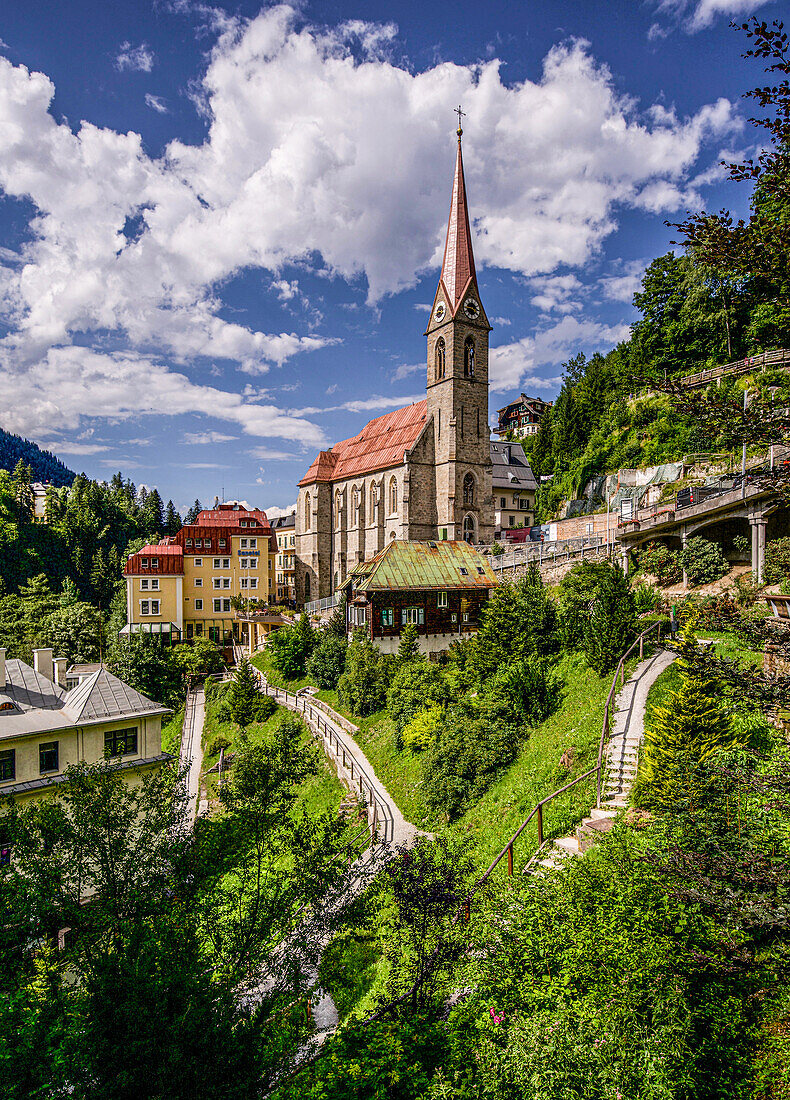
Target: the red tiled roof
(379, 445)
(169, 556)
(458, 265)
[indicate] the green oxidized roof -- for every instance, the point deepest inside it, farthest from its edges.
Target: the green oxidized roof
(403, 565)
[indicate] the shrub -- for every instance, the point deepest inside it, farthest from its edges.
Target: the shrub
(519, 619)
(497, 549)
(578, 592)
(416, 685)
(703, 560)
(363, 686)
(409, 644)
(328, 661)
(743, 544)
(530, 689)
(218, 744)
(646, 598)
(777, 560)
(611, 623)
(423, 730)
(661, 562)
(291, 647)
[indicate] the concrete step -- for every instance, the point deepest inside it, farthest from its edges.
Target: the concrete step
(591, 829)
(569, 843)
(599, 814)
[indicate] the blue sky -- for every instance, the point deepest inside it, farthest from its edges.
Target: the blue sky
(221, 226)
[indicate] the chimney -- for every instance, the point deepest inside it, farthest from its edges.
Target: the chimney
(2, 668)
(42, 662)
(60, 664)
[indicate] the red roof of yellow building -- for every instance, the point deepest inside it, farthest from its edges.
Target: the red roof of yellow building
(381, 444)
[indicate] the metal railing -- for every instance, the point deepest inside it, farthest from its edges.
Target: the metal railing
(361, 780)
(551, 552)
(323, 604)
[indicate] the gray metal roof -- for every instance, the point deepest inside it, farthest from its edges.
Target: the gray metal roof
(27, 689)
(510, 468)
(103, 696)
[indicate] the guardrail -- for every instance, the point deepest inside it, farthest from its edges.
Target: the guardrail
(322, 605)
(541, 552)
(375, 808)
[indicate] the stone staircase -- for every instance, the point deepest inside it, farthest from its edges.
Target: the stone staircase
(622, 758)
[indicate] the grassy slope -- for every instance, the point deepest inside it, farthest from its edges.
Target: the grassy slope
(317, 793)
(171, 733)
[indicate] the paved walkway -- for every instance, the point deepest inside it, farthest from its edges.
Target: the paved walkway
(191, 755)
(622, 754)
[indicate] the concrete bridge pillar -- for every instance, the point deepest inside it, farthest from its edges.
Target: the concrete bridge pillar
(757, 524)
(624, 559)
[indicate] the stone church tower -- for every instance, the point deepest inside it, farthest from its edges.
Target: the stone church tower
(458, 384)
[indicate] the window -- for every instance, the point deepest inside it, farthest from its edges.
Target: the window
(252, 563)
(144, 584)
(307, 588)
(503, 502)
(8, 764)
(155, 584)
(144, 563)
(222, 544)
(307, 521)
(357, 616)
(121, 742)
(469, 489)
(463, 572)
(145, 607)
(226, 582)
(469, 528)
(414, 615)
(388, 616)
(226, 563)
(253, 544)
(198, 563)
(393, 496)
(253, 582)
(441, 599)
(355, 507)
(217, 605)
(207, 543)
(198, 605)
(226, 605)
(511, 521)
(440, 358)
(155, 604)
(469, 358)
(48, 756)
(198, 582)
(198, 542)
(189, 542)
(444, 534)
(242, 563)
(154, 563)
(243, 582)
(216, 582)
(243, 544)
(373, 502)
(216, 563)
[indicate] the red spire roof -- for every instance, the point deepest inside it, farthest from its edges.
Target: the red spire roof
(458, 266)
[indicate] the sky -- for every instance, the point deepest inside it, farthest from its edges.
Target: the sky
(221, 227)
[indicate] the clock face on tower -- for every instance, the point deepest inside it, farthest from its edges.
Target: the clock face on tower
(438, 313)
(472, 308)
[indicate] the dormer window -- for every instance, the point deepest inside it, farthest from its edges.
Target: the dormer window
(144, 563)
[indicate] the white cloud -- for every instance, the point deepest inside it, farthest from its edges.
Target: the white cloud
(516, 364)
(623, 286)
(71, 383)
(405, 369)
(156, 103)
(202, 438)
(286, 290)
(276, 513)
(204, 466)
(696, 15)
(135, 58)
(298, 166)
(269, 454)
(75, 448)
(556, 293)
(367, 404)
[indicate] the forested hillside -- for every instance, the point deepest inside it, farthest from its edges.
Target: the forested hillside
(44, 466)
(725, 296)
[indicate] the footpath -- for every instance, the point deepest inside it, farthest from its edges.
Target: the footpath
(622, 757)
(191, 753)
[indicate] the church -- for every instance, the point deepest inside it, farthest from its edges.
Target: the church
(419, 473)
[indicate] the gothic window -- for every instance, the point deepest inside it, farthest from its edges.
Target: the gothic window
(339, 510)
(355, 506)
(440, 353)
(469, 490)
(469, 358)
(393, 496)
(307, 588)
(307, 512)
(469, 529)
(373, 503)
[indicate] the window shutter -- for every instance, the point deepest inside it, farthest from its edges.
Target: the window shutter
(403, 615)
(422, 616)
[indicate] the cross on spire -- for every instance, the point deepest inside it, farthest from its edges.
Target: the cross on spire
(461, 114)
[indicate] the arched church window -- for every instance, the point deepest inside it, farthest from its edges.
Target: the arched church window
(469, 489)
(469, 529)
(307, 588)
(393, 496)
(469, 358)
(355, 506)
(338, 510)
(440, 358)
(307, 514)
(373, 503)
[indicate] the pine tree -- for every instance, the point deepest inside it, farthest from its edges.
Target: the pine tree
(337, 620)
(682, 735)
(172, 519)
(244, 697)
(611, 622)
(409, 644)
(154, 513)
(192, 514)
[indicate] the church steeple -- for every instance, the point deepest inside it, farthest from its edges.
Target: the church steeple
(458, 266)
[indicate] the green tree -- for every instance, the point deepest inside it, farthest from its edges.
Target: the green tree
(363, 686)
(75, 632)
(337, 620)
(703, 560)
(244, 698)
(519, 620)
(328, 660)
(416, 685)
(291, 646)
(144, 663)
(409, 644)
(193, 512)
(154, 513)
(610, 626)
(172, 519)
(682, 735)
(198, 659)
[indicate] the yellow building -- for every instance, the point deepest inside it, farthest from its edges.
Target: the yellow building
(44, 727)
(285, 530)
(185, 586)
